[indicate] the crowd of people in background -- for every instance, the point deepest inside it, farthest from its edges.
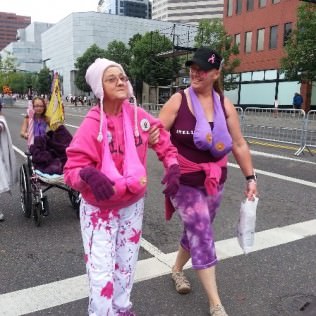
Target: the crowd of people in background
(83, 100)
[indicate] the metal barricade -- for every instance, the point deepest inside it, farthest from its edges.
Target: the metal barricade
(152, 108)
(277, 125)
(147, 106)
(309, 139)
(240, 112)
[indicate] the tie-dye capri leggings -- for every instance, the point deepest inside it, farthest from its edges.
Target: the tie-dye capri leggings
(197, 211)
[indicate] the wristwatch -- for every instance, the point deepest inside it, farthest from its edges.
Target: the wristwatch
(252, 177)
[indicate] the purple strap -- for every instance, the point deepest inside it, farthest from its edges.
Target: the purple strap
(218, 141)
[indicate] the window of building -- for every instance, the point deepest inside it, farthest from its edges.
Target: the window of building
(282, 75)
(273, 43)
(270, 74)
(246, 76)
(237, 39)
(287, 32)
(258, 75)
(275, 1)
(229, 7)
(250, 5)
(260, 39)
(248, 40)
(262, 3)
(239, 7)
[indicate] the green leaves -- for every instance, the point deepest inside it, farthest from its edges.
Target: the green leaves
(146, 64)
(82, 64)
(212, 34)
(300, 60)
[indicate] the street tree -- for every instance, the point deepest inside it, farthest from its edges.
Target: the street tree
(8, 66)
(300, 60)
(83, 62)
(119, 52)
(211, 33)
(147, 65)
(8, 63)
(18, 82)
(133, 40)
(44, 82)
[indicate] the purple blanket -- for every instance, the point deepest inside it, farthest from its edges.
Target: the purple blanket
(49, 151)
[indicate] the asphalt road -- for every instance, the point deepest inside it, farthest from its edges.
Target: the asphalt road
(42, 268)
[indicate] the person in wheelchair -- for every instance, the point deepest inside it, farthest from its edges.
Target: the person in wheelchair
(35, 123)
(48, 148)
(46, 157)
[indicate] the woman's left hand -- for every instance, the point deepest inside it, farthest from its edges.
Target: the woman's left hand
(154, 134)
(171, 180)
(251, 190)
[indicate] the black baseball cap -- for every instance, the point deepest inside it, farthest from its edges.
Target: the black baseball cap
(206, 59)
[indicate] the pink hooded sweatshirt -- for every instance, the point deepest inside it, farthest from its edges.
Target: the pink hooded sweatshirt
(86, 150)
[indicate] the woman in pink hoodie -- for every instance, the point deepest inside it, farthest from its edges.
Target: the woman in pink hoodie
(107, 164)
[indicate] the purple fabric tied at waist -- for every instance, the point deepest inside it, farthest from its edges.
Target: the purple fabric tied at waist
(217, 140)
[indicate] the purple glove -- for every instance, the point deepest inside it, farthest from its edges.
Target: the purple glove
(172, 181)
(101, 186)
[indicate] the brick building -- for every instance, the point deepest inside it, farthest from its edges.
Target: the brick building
(260, 28)
(9, 24)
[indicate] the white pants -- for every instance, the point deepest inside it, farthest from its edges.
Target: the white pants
(111, 241)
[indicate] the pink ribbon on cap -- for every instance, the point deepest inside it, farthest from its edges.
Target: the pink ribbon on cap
(212, 59)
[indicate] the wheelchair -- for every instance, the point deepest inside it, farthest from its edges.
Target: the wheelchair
(34, 184)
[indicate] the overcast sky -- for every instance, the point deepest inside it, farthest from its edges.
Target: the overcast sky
(50, 11)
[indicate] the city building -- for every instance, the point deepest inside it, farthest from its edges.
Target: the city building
(67, 40)
(260, 28)
(9, 24)
(133, 8)
(187, 11)
(27, 49)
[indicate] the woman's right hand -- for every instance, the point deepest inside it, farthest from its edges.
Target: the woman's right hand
(154, 134)
(251, 190)
(25, 135)
(101, 186)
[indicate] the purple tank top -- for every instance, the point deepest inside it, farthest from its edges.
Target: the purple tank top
(182, 137)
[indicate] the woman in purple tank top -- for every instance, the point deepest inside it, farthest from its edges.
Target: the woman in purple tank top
(204, 127)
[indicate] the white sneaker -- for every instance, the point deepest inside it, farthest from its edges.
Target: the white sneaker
(1, 217)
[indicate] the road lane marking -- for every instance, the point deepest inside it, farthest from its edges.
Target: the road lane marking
(57, 293)
(279, 176)
(259, 153)
(276, 145)
(76, 115)
(72, 289)
(74, 126)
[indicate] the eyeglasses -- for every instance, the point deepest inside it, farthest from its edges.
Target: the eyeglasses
(38, 106)
(113, 80)
(199, 72)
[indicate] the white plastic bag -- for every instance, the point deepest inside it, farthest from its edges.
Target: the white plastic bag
(247, 224)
